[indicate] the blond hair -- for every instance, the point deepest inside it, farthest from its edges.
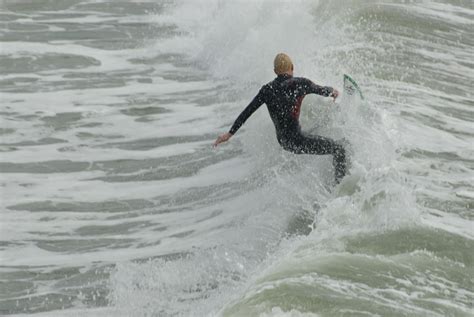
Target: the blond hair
(282, 64)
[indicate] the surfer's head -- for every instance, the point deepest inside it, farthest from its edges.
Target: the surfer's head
(283, 64)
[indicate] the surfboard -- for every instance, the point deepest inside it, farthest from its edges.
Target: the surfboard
(351, 87)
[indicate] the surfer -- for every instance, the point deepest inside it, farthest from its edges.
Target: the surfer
(283, 97)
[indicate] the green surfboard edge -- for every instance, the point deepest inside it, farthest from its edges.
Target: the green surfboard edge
(352, 81)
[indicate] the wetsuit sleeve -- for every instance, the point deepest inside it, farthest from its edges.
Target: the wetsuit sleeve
(248, 111)
(308, 87)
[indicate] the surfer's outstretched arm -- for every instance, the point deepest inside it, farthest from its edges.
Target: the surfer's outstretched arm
(311, 88)
(248, 111)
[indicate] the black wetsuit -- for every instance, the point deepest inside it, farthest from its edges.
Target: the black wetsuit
(283, 97)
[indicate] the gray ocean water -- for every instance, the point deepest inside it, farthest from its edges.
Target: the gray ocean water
(114, 202)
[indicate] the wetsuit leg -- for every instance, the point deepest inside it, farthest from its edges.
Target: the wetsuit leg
(321, 146)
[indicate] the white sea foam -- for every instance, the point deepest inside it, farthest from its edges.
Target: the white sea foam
(219, 233)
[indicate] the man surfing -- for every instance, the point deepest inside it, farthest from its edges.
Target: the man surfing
(283, 97)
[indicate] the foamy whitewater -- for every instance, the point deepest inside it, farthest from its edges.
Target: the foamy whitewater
(115, 203)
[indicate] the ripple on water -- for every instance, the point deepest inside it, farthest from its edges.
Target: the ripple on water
(143, 111)
(83, 245)
(4, 131)
(34, 63)
(62, 120)
(103, 206)
(151, 143)
(116, 229)
(8, 147)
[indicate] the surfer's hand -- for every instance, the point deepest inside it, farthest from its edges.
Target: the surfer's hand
(223, 138)
(334, 94)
